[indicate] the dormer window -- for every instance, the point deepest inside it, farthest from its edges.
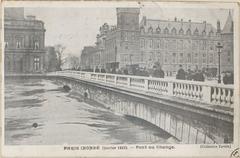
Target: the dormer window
(150, 30)
(204, 33)
(188, 32)
(158, 30)
(196, 32)
(211, 33)
(142, 30)
(181, 31)
(166, 31)
(174, 31)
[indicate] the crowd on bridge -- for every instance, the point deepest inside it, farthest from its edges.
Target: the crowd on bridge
(158, 72)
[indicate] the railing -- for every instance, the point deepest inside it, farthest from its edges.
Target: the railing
(213, 94)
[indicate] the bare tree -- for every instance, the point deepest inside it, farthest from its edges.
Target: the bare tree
(73, 62)
(59, 52)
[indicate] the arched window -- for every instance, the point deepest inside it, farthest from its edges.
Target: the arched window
(158, 30)
(174, 31)
(188, 32)
(166, 31)
(196, 32)
(181, 31)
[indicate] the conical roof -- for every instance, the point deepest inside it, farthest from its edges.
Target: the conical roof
(228, 27)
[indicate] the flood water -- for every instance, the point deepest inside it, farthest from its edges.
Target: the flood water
(40, 112)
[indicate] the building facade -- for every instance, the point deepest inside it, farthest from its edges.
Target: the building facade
(24, 42)
(170, 43)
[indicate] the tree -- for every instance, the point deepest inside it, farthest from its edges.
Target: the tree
(60, 52)
(73, 62)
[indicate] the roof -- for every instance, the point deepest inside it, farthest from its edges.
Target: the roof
(177, 24)
(89, 49)
(228, 27)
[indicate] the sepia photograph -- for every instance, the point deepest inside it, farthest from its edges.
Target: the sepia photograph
(148, 74)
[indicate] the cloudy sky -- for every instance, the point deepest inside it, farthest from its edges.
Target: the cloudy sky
(77, 27)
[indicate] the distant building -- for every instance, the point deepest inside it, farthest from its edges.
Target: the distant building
(50, 59)
(24, 42)
(170, 43)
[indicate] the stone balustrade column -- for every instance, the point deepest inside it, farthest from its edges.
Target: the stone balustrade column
(146, 84)
(170, 88)
(129, 82)
(206, 92)
(115, 79)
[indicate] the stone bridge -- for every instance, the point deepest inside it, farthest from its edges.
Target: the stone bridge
(191, 112)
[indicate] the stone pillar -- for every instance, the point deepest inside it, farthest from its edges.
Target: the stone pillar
(206, 92)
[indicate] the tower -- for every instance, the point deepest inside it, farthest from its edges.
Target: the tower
(128, 27)
(227, 40)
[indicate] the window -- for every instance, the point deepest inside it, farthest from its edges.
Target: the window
(142, 42)
(196, 32)
(181, 31)
(158, 44)
(166, 31)
(174, 57)
(36, 63)
(211, 58)
(211, 33)
(150, 30)
(174, 31)
(36, 45)
(18, 44)
(181, 58)
(6, 44)
(142, 30)
(204, 33)
(150, 43)
(189, 58)
(158, 30)
(180, 44)
(188, 32)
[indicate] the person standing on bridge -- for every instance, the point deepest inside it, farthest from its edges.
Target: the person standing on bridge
(181, 74)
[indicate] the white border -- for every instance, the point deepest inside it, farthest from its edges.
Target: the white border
(181, 150)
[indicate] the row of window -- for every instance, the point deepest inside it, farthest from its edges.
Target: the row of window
(19, 45)
(174, 31)
(176, 44)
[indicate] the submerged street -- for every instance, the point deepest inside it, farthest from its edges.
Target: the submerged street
(40, 112)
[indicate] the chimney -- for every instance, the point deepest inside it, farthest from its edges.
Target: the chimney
(175, 19)
(181, 20)
(218, 27)
(189, 20)
(31, 17)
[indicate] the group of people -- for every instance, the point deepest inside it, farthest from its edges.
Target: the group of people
(197, 75)
(158, 72)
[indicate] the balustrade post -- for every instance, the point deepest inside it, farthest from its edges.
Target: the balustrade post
(115, 79)
(170, 88)
(129, 81)
(206, 92)
(105, 78)
(146, 84)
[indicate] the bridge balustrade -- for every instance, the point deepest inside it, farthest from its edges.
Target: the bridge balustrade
(215, 94)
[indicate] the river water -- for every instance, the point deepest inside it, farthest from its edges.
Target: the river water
(65, 118)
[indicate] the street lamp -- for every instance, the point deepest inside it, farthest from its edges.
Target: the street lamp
(219, 50)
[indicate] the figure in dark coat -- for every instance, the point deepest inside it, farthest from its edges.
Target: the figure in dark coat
(181, 74)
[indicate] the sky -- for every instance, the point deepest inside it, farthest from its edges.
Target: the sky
(76, 27)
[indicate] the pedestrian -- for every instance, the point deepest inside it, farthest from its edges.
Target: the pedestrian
(181, 74)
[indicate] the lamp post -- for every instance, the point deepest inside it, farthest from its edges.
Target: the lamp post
(219, 50)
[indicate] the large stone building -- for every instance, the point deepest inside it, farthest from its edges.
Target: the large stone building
(170, 43)
(24, 42)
